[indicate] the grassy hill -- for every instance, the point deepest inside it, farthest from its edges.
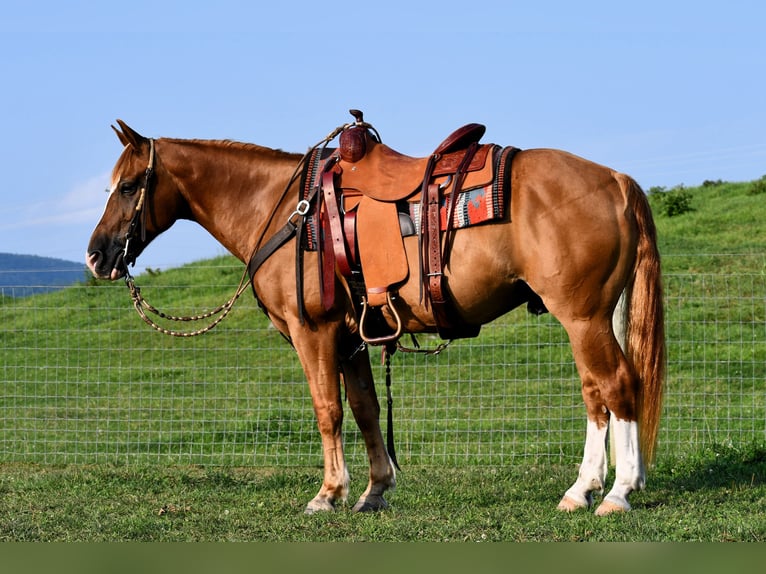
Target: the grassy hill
(715, 218)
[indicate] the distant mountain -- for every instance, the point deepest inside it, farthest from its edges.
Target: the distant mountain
(23, 275)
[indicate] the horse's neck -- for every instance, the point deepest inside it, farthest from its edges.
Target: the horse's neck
(232, 189)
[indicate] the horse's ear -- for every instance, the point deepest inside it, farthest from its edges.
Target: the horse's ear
(122, 137)
(129, 136)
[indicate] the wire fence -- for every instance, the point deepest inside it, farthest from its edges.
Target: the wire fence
(85, 381)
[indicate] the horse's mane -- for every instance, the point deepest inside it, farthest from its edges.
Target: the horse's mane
(236, 145)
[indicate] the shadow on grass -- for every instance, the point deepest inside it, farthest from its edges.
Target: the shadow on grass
(716, 467)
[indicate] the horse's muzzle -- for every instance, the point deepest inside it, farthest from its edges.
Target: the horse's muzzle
(102, 268)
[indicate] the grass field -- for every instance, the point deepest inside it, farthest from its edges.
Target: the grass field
(715, 496)
(109, 431)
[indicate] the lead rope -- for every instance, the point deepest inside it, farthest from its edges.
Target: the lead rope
(389, 350)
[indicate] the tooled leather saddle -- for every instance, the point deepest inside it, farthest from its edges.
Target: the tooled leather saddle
(370, 197)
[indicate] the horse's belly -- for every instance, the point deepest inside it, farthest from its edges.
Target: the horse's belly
(479, 277)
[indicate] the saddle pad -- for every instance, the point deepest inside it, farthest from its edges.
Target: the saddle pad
(473, 206)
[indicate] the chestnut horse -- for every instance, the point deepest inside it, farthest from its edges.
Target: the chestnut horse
(577, 234)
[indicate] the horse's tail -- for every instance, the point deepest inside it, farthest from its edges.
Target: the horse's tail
(645, 330)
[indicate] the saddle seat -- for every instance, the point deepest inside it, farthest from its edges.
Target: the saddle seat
(384, 174)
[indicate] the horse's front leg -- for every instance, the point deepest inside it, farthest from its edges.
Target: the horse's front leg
(360, 388)
(318, 353)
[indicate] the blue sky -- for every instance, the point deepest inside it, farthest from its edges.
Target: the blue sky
(669, 92)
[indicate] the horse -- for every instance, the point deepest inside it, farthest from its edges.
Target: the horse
(577, 237)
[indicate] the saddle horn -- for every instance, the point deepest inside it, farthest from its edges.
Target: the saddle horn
(358, 116)
(353, 140)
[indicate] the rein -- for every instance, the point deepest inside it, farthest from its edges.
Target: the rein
(142, 306)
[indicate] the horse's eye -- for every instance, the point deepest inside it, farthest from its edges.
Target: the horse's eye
(128, 187)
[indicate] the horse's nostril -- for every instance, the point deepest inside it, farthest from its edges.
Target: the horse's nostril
(92, 258)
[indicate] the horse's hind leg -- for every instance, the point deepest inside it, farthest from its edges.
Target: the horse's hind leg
(364, 404)
(609, 389)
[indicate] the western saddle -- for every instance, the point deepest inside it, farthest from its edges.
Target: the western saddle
(366, 192)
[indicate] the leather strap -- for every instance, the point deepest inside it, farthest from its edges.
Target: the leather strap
(349, 232)
(299, 231)
(333, 245)
(435, 277)
(433, 246)
(425, 230)
(335, 221)
(448, 324)
(458, 185)
(277, 240)
(326, 257)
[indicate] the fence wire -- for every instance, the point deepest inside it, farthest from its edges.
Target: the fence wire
(85, 381)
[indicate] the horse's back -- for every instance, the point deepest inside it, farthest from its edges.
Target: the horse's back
(555, 183)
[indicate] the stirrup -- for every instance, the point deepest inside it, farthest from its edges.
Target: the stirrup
(385, 338)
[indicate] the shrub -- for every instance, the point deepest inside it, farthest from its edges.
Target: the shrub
(757, 187)
(676, 201)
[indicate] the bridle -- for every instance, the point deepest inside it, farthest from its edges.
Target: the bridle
(137, 226)
(137, 229)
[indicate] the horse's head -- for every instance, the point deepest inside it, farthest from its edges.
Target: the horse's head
(141, 205)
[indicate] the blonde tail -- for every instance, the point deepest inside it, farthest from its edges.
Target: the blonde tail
(645, 329)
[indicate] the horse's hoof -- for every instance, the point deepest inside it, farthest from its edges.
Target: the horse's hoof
(608, 507)
(370, 504)
(568, 504)
(319, 505)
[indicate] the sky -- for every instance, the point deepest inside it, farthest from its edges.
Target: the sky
(670, 92)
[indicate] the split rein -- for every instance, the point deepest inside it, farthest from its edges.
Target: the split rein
(142, 306)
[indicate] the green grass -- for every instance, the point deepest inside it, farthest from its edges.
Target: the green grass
(717, 495)
(104, 423)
